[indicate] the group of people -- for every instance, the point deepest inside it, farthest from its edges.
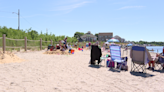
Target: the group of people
(62, 46)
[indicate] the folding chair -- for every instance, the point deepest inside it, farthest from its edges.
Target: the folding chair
(95, 54)
(115, 52)
(139, 55)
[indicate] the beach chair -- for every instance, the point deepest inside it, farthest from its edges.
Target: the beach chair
(115, 52)
(139, 56)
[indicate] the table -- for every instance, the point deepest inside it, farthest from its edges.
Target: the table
(104, 58)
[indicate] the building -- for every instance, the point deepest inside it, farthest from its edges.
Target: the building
(88, 37)
(119, 38)
(104, 36)
(122, 40)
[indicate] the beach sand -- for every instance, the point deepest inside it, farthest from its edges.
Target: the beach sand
(72, 73)
(9, 57)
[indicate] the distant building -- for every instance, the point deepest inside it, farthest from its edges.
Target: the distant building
(119, 38)
(88, 37)
(122, 40)
(105, 36)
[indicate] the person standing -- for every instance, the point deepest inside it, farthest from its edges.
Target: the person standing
(89, 45)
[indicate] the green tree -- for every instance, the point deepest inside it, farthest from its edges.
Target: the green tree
(96, 36)
(78, 34)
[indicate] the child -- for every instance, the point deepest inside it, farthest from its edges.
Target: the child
(57, 46)
(62, 48)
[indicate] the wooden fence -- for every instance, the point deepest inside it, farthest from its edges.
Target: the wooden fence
(40, 47)
(4, 47)
(25, 42)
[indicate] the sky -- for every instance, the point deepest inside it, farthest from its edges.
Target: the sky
(133, 20)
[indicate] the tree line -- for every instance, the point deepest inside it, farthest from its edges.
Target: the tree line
(32, 35)
(151, 43)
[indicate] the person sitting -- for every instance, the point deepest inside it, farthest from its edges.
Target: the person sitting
(152, 62)
(62, 48)
(106, 46)
(69, 46)
(49, 47)
(57, 46)
(52, 48)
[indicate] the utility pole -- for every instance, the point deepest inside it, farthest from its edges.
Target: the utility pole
(18, 19)
(46, 30)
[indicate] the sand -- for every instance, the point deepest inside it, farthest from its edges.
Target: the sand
(72, 73)
(9, 57)
(58, 52)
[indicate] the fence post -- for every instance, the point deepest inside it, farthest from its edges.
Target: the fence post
(40, 43)
(51, 41)
(4, 43)
(25, 43)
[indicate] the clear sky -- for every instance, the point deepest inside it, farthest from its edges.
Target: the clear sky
(130, 19)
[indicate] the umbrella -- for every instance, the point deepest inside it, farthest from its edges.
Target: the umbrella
(129, 44)
(113, 40)
(106, 42)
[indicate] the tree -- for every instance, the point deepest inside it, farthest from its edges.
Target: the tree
(78, 34)
(96, 36)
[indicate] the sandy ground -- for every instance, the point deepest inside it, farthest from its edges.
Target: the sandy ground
(9, 57)
(72, 73)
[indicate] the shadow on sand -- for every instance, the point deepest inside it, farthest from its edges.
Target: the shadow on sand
(144, 75)
(95, 66)
(114, 70)
(160, 71)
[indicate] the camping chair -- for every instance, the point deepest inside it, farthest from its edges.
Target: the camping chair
(115, 52)
(95, 54)
(160, 63)
(139, 55)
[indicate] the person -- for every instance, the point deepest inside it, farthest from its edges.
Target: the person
(65, 46)
(152, 62)
(57, 46)
(76, 45)
(49, 47)
(60, 43)
(126, 49)
(106, 46)
(69, 46)
(89, 45)
(62, 48)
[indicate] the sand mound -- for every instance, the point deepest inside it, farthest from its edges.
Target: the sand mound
(9, 57)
